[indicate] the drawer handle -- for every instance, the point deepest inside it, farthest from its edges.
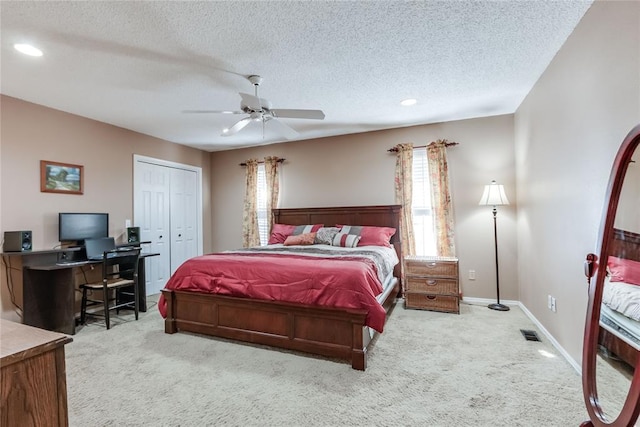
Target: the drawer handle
(432, 282)
(431, 297)
(432, 264)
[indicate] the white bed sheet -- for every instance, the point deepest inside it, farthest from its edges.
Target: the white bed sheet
(623, 298)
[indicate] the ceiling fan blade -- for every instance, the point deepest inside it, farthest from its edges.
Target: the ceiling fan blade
(253, 102)
(236, 127)
(212, 112)
(298, 114)
(281, 128)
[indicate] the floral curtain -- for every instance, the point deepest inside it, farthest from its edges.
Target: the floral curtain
(404, 191)
(250, 232)
(272, 175)
(441, 198)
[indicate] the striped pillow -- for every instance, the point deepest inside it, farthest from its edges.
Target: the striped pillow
(280, 232)
(345, 240)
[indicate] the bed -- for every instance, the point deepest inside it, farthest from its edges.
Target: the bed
(329, 331)
(620, 311)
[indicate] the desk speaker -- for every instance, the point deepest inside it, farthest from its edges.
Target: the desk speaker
(17, 241)
(133, 234)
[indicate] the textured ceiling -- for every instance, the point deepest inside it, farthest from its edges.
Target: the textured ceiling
(139, 65)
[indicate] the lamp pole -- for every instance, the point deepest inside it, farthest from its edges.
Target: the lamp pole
(497, 305)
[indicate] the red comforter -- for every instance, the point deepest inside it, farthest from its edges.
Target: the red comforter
(348, 282)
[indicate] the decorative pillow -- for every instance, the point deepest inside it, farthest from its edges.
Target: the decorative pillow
(369, 235)
(280, 232)
(345, 240)
(624, 270)
(325, 235)
(300, 239)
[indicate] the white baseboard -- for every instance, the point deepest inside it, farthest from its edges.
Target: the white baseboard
(552, 340)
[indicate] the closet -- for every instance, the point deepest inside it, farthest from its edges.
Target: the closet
(167, 208)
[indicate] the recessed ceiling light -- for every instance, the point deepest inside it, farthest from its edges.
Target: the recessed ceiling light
(27, 49)
(408, 102)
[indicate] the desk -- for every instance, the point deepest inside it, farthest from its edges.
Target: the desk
(32, 376)
(48, 299)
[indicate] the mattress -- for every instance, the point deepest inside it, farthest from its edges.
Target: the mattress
(622, 326)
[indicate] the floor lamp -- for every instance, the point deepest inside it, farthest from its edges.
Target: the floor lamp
(493, 196)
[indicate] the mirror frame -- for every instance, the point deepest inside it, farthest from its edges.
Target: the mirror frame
(631, 409)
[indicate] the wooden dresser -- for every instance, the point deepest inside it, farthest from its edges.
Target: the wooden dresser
(431, 283)
(33, 381)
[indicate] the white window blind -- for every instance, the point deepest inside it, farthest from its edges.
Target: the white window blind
(263, 225)
(421, 205)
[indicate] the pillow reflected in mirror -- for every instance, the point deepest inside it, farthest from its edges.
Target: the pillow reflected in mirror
(624, 270)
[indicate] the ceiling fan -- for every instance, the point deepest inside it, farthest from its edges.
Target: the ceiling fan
(260, 110)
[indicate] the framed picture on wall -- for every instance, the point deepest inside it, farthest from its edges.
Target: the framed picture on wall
(63, 178)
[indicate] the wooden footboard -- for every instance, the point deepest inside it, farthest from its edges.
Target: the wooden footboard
(326, 331)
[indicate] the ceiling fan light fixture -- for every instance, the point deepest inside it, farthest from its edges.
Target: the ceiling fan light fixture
(408, 102)
(27, 49)
(259, 110)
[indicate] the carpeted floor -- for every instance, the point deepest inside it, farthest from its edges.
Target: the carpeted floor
(427, 369)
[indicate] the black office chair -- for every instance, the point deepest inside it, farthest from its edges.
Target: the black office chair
(119, 284)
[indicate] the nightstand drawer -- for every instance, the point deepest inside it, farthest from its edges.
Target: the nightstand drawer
(431, 285)
(431, 268)
(445, 303)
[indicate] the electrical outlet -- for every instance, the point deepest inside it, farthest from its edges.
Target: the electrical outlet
(549, 298)
(553, 304)
(472, 275)
(127, 223)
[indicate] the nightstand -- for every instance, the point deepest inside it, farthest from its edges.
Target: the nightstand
(431, 283)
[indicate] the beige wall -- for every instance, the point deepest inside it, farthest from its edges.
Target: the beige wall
(567, 132)
(353, 170)
(31, 133)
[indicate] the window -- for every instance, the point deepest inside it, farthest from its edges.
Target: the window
(421, 204)
(263, 224)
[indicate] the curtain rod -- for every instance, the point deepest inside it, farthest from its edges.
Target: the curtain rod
(446, 144)
(262, 161)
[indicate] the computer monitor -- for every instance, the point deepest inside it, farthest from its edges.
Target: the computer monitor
(76, 226)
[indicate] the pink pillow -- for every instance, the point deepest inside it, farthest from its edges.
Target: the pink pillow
(624, 270)
(280, 232)
(369, 235)
(300, 239)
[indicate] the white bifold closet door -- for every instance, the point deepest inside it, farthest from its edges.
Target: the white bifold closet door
(167, 210)
(182, 190)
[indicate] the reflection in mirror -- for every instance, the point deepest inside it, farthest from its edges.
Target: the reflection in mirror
(619, 334)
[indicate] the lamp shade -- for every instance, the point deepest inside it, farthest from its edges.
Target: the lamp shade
(493, 195)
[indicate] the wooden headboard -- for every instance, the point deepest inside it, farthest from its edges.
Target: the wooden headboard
(625, 244)
(380, 216)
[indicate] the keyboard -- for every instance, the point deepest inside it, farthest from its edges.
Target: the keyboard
(71, 263)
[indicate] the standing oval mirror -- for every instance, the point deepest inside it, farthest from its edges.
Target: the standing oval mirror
(611, 382)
